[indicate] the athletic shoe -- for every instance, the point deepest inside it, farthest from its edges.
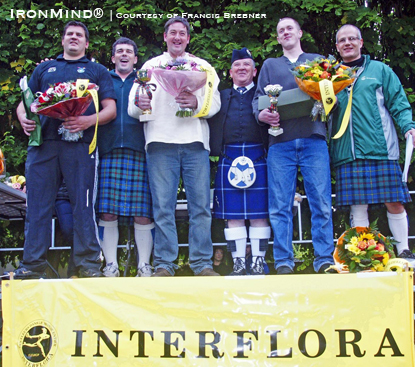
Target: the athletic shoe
(284, 270)
(23, 273)
(238, 267)
(161, 272)
(145, 270)
(408, 256)
(90, 273)
(111, 270)
(257, 266)
(326, 266)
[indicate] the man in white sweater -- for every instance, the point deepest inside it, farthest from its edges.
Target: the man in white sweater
(178, 147)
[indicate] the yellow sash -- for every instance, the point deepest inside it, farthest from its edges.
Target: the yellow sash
(346, 117)
(81, 88)
(207, 102)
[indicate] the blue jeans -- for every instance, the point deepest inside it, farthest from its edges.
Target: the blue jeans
(311, 155)
(166, 163)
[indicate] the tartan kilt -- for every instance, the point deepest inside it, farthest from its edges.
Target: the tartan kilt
(233, 203)
(369, 181)
(123, 187)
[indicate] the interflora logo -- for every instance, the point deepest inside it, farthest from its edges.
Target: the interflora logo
(38, 343)
(57, 13)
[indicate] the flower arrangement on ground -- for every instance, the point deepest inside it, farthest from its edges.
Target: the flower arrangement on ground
(181, 75)
(62, 100)
(313, 77)
(363, 248)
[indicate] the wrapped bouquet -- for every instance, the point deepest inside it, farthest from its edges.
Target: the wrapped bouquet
(63, 100)
(363, 249)
(321, 79)
(181, 75)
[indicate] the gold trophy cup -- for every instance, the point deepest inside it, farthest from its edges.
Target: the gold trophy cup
(144, 76)
(273, 92)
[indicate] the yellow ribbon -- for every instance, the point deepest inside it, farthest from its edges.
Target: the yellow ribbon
(398, 265)
(81, 89)
(327, 94)
(207, 102)
(346, 117)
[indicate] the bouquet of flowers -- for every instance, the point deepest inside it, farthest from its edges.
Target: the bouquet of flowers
(180, 75)
(323, 74)
(16, 182)
(360, 248)
(62, 100)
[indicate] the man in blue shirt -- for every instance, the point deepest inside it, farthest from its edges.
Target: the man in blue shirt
(123, 188)
(57, 159)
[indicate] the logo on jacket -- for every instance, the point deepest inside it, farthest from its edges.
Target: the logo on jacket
(51, 70)
(81, 70)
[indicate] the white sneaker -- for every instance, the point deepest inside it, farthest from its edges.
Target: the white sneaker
(111, 270)
(144, 270)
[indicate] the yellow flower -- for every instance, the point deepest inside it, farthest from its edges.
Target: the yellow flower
(385, 258)
(366, 236)
(317, 71)
(355, 259)
(354, 241)
(353, 248)
(379, 267)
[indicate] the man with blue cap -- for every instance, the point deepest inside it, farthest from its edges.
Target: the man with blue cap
(241, 191)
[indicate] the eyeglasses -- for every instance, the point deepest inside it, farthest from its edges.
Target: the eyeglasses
(350, 39)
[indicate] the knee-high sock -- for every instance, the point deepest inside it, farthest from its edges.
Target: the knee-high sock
(259, 237)
(144, 241)
(109, 240)
(359, 216)
(239, 235)
(398, 224)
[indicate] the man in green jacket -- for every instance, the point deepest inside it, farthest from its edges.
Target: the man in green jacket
(366, 155)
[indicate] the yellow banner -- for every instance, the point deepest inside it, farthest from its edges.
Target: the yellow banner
(207, 102)
(357, 320)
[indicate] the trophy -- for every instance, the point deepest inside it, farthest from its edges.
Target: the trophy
(143, 77)
(273, 92)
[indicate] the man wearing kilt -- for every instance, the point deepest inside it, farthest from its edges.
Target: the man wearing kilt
(123, 189)
(366, 155)
(241, 190)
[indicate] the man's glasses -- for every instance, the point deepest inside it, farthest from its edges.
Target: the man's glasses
(350, 39)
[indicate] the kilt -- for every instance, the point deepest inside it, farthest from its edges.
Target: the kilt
(123, 187)
(369, 181)
(233, 203)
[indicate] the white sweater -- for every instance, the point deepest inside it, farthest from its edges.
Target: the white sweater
(166, 127)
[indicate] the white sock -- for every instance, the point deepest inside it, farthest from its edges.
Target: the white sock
(239, 235)
(359, 216)
(144, 241)
(257, 235)
(109, 240)
(398, 224)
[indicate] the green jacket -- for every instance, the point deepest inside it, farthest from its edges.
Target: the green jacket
(378, 101)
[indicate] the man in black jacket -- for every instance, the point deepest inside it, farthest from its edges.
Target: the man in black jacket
(241, 190)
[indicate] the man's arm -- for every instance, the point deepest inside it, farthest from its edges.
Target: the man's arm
(80, 123)
(27, 125)
(397, 103)
(264, 116)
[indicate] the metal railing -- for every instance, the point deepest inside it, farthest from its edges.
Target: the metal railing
(181, 210)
